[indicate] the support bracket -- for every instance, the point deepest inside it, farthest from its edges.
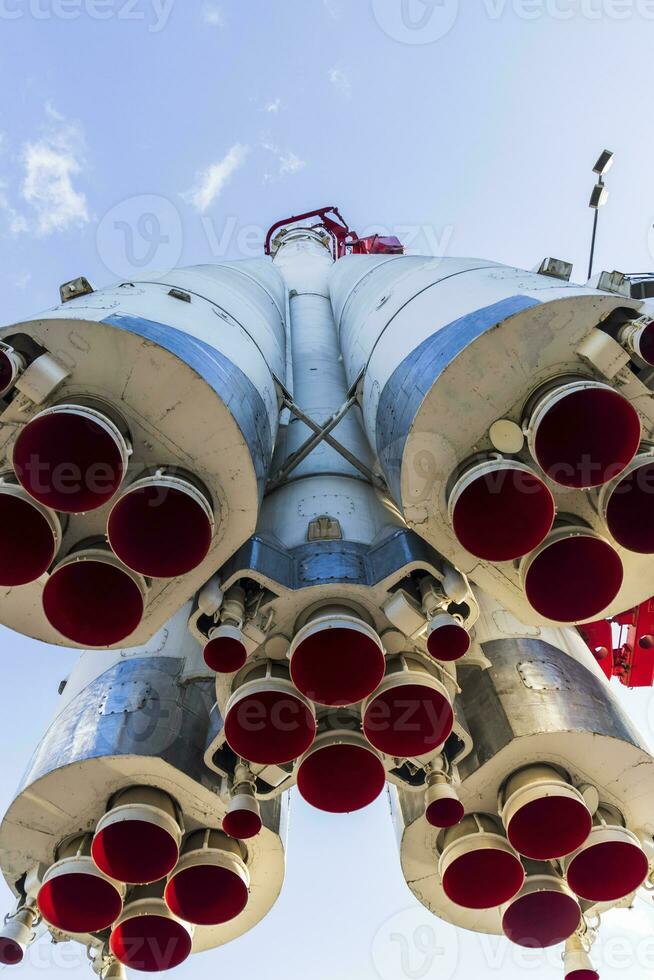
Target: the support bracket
(321, 434)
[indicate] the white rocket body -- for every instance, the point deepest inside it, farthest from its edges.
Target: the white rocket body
(195, 380)
(327, 419)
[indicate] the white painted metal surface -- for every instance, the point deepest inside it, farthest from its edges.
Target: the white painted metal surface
(508, 331)
(149, 354)
(305, 551)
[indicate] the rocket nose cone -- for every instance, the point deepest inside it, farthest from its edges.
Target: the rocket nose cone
(70, 458)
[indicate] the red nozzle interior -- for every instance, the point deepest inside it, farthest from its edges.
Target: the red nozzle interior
(503, 515)
(337, 666)
(608, 871)
(574, 579)
(150, 943)
(242, 824)
(6, 377)
(587, 437)
(11, 952)
(445, 813)
(341, 778)
(225, 654)
(408, 720)
(583, 975)
(448, 643)
(630, 510)
(159, 531)
(27, 544)
(483, 878)
(79, 903)
(270, 727)
(135, 851)
(68, 462)
(549, 827)
(206, 895)
(92, 603)
(646, 343)
(541, 919)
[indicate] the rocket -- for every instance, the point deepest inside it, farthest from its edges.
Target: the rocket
(340, 519)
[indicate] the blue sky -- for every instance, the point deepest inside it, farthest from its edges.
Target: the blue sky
(138, 134)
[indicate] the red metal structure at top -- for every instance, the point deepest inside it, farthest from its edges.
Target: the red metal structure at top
(344, 240)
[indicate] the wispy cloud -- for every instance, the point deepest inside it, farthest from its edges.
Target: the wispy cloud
(287, 162)
(274, 105)
(51, 165)
(213, 14)
(14, 221)
(210, 183)
(341, 81)
(332, 7)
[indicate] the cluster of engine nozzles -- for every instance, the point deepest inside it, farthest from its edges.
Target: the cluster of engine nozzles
(584, 436)
(338, 706)
(71, 459)
(141, 885)
(546, 859)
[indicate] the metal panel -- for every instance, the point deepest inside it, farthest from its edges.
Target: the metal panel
(228, 381)
(329, 562)
(531, 688)
(412, 380)
(136, 708)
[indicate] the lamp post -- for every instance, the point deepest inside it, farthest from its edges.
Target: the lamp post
(598, 198)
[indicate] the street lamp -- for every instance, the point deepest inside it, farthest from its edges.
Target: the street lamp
(599, 197)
